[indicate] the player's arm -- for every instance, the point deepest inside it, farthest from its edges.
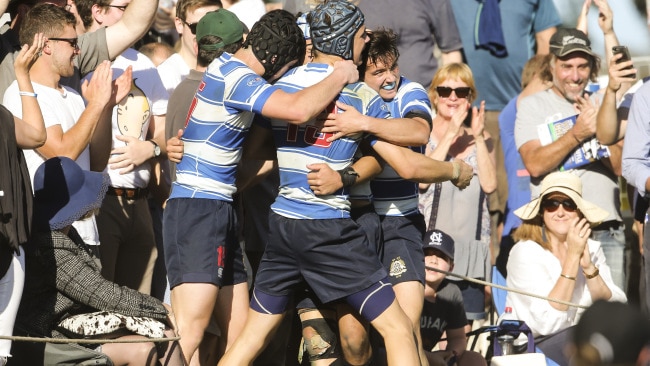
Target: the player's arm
(307, 103)
(411, 131)
(135, 22)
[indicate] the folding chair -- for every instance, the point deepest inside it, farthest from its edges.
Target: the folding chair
(499, 302)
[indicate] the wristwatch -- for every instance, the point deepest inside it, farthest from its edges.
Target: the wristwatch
(156, 148)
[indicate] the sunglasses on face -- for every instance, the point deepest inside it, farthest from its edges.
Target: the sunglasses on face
(191, 26)
(551, 205)
(120, 7)
(71, 41)
(445, 91)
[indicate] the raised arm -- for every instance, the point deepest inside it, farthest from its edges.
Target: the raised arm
(135, 22)
(609, 127)
(30, 130)
(73, 142)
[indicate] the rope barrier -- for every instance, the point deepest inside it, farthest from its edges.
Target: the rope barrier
(87, 340)
(506, 288)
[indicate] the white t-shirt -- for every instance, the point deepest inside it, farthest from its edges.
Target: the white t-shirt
(59, 107)
(131, 117)
(172, 71)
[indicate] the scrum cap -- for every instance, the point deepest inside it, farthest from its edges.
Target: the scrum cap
(334, 24)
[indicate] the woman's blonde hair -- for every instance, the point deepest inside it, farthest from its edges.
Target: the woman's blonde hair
(454, 71)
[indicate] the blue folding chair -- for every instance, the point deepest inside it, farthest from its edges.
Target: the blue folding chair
(499, 301)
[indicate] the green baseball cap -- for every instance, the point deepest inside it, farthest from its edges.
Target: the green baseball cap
(221, 23)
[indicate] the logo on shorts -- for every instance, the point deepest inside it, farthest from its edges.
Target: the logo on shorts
(397, 267)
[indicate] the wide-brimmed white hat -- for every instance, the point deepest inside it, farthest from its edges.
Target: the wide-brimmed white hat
(570, 185)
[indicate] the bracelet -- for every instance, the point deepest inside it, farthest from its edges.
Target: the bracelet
(348, 176)
(590, 276)
(27, 94)
(456, 172)
(568, 277)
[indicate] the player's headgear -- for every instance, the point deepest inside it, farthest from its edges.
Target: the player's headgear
(334, 24)
(276, 40)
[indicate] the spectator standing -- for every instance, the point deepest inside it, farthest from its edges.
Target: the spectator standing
(94, 47)
(177, 66)
(70, 123)
(573, 64)
(452, 92)
(128, 250)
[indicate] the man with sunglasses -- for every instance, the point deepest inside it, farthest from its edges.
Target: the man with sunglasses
(104, 44)
(70, 123)
(188, 13)
(573, 64)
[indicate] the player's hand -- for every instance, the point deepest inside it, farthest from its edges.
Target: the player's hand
(322, 179)
(348, 69)
(348, 122)
(465, 176)
(175, 147)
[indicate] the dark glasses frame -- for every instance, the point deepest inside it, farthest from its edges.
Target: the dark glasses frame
(191, 26)
(121, 7)
(462, 92)
(551, 205)
(73, 42)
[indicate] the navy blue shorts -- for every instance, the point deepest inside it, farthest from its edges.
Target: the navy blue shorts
(367, 218)
(473, 299)
(200, 241)
(403, 254)
(331, 255)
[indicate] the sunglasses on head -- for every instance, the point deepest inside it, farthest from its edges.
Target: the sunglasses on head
(551, 205)
(445, 91)
(72, 41)
(191, 26)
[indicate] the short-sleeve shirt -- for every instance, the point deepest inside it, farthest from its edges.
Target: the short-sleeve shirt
(447, 312)
(498, 79)
(228, 96)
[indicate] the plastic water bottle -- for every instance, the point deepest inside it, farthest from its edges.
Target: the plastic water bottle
(507, 315)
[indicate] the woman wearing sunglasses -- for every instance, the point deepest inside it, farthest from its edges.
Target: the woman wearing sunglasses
(462, 213)
(554, 257)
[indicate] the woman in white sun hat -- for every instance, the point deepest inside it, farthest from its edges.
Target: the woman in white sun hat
(554, 257)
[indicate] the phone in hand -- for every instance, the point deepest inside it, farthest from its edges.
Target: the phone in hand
(626, 56)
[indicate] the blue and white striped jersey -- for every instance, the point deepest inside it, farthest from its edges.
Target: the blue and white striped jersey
(394, 196)
(300, 145)
(221, 114)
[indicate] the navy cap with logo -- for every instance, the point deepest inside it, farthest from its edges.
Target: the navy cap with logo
(567, 40)
(439, 240)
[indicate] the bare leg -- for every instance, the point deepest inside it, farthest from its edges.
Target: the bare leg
(355, 339)
(399, 336)
(193, 304)
(231, 312)
(410, 296)
(254, 337)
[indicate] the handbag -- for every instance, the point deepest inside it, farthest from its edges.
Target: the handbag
(108, 324)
